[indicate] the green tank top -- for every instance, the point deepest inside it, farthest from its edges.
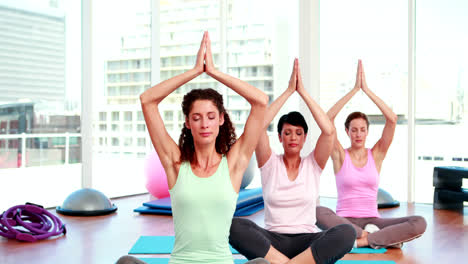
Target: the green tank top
(202, 210)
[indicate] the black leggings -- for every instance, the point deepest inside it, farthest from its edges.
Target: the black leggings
(328, 246)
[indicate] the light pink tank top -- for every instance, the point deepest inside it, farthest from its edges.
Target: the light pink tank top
(290, 205)
(357, 188)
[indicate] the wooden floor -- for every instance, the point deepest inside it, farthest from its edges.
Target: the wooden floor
(104, 239)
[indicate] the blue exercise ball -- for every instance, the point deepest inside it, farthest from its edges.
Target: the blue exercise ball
(249, 172)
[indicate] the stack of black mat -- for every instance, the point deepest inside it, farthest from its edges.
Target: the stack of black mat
(448, 192)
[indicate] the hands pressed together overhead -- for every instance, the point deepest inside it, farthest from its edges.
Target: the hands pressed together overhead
(361, 78)
(204, 62)
(295, 82)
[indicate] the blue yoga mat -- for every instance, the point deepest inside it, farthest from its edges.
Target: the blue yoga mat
(157, 245)
(250, 209)
(245, 211)
(368, 250)
(163, 203)
(241, 261)
(246, 197)
(249, 196)
(148, 210)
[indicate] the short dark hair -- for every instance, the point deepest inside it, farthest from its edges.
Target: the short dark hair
(356, 115)
(293, 118)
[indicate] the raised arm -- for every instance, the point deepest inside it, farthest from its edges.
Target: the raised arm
(336, 108)
(338, 153)
(263, 150)
(324, 144)
(241, 152)
(381, 147)
(167, 149)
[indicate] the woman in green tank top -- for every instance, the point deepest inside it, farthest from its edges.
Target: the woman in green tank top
(204, 172)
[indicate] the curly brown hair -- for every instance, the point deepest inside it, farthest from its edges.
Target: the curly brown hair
(227, 134)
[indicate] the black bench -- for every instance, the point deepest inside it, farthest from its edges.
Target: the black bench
(448, 192)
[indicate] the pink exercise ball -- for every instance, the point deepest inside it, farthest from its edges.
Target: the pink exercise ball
(156, 180)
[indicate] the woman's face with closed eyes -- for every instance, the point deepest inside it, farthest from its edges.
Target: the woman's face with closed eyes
(292, 138)
(204, 121)
(357, 132)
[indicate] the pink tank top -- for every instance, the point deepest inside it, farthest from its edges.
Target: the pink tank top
(357, 188)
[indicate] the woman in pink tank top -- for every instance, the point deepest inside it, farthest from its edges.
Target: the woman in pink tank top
(357, 172)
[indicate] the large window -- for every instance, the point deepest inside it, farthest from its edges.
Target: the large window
(376, 32)
(121, 72)
(441, 90)
(181, 30)
(40, 82)
(261, 47)
(40, 88)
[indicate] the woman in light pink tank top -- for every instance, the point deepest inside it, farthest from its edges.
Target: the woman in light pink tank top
(357, 172)
(290, 190)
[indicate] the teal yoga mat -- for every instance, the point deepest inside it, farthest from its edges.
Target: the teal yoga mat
(241, 261)
(164, 245)
(153, 245)
(157, 245)
(166, 260)
(367, 250)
